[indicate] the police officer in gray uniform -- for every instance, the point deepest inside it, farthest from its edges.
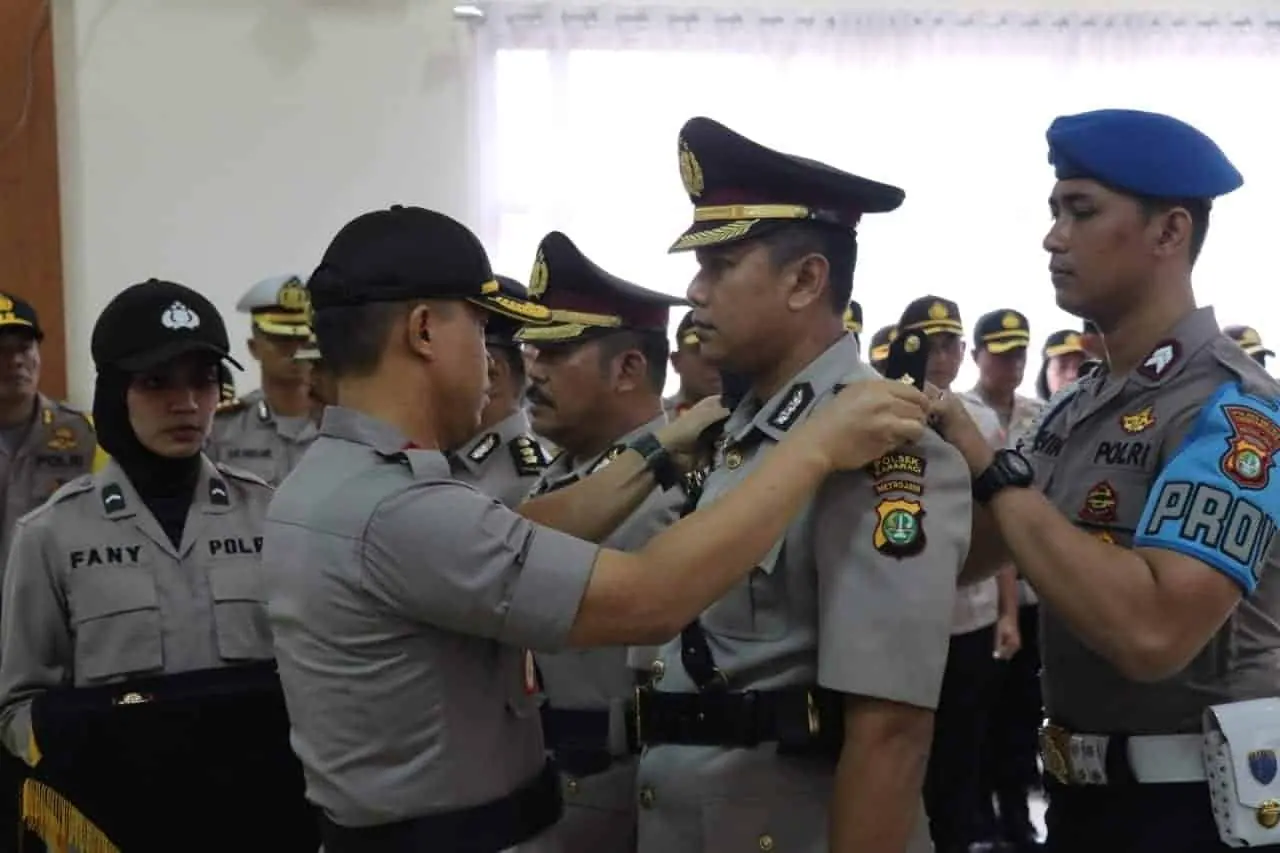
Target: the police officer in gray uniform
(796, 712)
(596, 377)
(267, 430)
(503, 459)
(150, 567)
(1142, 507)
(402, 602)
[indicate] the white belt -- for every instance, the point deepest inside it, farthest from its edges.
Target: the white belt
(1075, 759)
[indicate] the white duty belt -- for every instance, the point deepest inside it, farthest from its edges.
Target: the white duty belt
(1084, 759)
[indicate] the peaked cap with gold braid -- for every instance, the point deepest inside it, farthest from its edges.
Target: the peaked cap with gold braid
(1248, 339)
(880, 341)
(931, 315)
(279, 306)
(1002, 331)
(740, 188)
(586, 300)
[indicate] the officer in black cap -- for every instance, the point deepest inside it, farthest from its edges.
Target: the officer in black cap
(1062, 357)
(1250, 341)
(503, 459)
(403, 602)
(802, 639)
(938, 320)
(853, 321)
(146, 577)
(698, 378)
(1125, 509)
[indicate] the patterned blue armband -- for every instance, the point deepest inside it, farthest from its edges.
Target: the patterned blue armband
(1218, 498)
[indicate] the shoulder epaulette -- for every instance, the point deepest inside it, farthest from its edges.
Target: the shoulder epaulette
(80, 485)
(240, 474)
(614, 453)
(239, 404)
(484, 448)
(529, 457)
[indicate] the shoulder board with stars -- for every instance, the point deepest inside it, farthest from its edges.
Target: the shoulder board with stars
(484, 448)
(792, 406)
(231, 406)
(529, 457)
(614, 453)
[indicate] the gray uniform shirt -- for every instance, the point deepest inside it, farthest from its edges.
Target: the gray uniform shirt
(401, 602)
(96, 592)
(1140, 455)
(248, 435)
(503, 461)
(59, 447)
(856, 597)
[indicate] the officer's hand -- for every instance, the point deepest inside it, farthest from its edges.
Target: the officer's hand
(866, 420)
(948, 415)
(680, 437)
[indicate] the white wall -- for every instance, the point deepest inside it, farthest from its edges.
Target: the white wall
(216, 142)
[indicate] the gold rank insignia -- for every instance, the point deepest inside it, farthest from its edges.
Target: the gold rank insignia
(484, 448)
(63, 438)
(539, 277)
(911, 344)
(690, 171)
(1139, 421)
(6, 304)
(528, 456)
(899, 530)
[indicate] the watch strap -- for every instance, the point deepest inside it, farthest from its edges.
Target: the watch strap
(657, 459)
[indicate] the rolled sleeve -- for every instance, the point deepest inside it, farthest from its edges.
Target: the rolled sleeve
(447, 555)
(890, 543)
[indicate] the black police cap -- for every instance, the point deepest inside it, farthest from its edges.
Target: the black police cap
(501, 328)
(154, 322)
(931, 315)
(741, 189)
(1002, 331)
(853, 317)
(18, 314)
(407, 253)
(585, 299)
(879, 348)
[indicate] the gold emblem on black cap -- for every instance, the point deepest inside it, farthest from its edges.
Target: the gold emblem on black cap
(6, 304)
(292, 296)
(1010, 321)
(539, 277)
(690, 171)
(937, 311)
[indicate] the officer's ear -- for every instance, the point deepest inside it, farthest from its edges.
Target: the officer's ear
(252, 343)
(418, 325)
(1174, 230)
(809, 280)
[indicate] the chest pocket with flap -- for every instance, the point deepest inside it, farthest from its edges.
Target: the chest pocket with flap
(115, 620)
(756, 607)
(239, 612)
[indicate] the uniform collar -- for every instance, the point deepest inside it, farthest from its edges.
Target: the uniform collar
(1174, 351)
(562, 467)
(793, 403)
(118, 499)
(476, 453)
(383, 439)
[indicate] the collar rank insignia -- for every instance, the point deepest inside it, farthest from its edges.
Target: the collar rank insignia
(218, 493)
(796, 401)
(264, 411)
(1160, 360)
(614, 453)
(113, 498)
(528, 456)
(484, 448)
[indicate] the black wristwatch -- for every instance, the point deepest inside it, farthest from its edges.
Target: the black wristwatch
(658, 460)
(1009, 469)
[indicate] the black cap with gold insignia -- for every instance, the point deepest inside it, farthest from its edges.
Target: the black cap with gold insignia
(501, 329)
(1002, 331)
(1248, 339)
(17, 313)
(686, 335)
(407, 253)
(742, 189)
(278, 306)
(1063, 342)
(585, 300)
(932, 315)
(880, 341)
(853, 318)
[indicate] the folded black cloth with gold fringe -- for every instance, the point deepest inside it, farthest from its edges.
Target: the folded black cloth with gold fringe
(194, 761)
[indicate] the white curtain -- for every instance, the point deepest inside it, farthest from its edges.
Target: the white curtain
(581, 107)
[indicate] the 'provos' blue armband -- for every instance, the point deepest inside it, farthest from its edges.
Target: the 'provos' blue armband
(1218, 497)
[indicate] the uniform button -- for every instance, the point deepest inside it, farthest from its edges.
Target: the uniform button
(572, 786)
(766, 843)
(657, 668)
(646, 797)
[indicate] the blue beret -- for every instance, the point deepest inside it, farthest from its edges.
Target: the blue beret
(1142, 153)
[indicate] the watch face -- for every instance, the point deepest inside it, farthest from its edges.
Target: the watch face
(1019, 465)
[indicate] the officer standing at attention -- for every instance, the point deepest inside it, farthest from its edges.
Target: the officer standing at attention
(1061, 359)
(503, 459)
(150, 567)
(1149, 533)
(1250, 341)
(795, 712)
(596, 382)
(402, 601)
(698, 379)
(267, 430)
(878, 352)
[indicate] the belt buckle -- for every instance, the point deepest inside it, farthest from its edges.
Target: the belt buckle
(1055, 749)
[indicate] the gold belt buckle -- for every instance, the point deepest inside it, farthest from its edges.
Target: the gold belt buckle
(1055, 750)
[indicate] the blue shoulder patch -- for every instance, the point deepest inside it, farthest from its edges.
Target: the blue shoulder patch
(1218, 498)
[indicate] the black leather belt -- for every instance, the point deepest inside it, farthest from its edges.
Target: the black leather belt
(580, 739)
(487, 828)
(800, 721)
